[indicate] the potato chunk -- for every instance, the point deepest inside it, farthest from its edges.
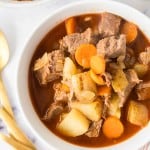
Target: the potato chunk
(73, 124)
(114, 109)
(119, 81)
(93, 111)
(137, 114)
(68, 70)
(76, 84)
(140, 69)
(88, 83)
(83, 81)
(81, 84)
(87, 96)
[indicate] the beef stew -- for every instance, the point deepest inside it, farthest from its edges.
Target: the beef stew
(91, 70)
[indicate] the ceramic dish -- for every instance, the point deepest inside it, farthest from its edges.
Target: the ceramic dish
(75, 8)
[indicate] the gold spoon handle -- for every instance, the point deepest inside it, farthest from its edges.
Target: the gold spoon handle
(13, 129)
(14, 143)
(4, 99)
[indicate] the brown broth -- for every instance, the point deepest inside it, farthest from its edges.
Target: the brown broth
(42, 97)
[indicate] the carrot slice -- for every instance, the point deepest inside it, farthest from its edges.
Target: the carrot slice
(98, 64)
(96, 78)
(84, 53)
(104, 90)
(113, 127)
(130, 30)
(70, 25)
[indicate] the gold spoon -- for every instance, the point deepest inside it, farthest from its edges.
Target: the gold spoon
(4, 56)
(17, 138)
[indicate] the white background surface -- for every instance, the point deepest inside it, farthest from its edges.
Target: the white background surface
(16, 21)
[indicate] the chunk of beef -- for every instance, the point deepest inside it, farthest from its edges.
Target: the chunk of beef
(56, 59)
(95, 38)
(105, 110)
(49, 67)
(72, 41)
(143, 91)
(107, 77)
(144, 57)
(109, 24)
(112, 47)
(120, 61)
(60, 94)
(129, 58)
(106, 99)
(94, 129)
(132, 81)
(112, 67)
(92, 37)
(53, 110)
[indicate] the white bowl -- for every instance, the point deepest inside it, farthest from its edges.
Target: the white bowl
(12, 3)
(75, 8)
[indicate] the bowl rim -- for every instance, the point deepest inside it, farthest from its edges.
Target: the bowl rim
(132, 142)
(10, 3)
